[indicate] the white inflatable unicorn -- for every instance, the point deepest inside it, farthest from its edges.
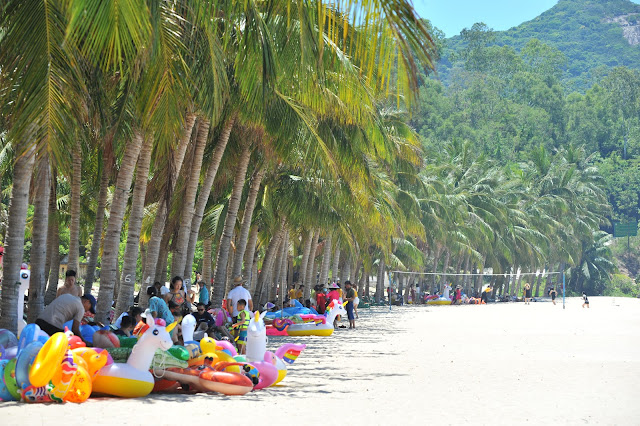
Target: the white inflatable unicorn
(334, 309)
(272, 367)
(133, 379)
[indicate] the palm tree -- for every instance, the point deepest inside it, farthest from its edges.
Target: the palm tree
(125, 292)
(114, 228)
(14, 242)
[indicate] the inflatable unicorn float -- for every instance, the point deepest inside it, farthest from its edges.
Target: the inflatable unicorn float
(133, 379)
(272, 366)
(314, 325)
(445, 299)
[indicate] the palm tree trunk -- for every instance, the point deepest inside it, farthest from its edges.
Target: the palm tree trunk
(128, 277)
(37, 284)
(306, 249)
(467, 279)
(270, 278)
(181, 246)
(206, 261)
(205, 191)
(519, 283)
(361, 282)
(436, 259)
(229, 223)
(346, 270)
(54, 244)
(539, 281)
(326, 262)
(309, 277)
(268, 260)
(445, 267)
(243, 237)
(456, 278)
(108, 274)
(14, 242)
(481, 280)
(74, 227)
(380, 281)
(97, 230)
(155, 242)
(280, 267)
(250, 254)
(367, 287)
(336, 261)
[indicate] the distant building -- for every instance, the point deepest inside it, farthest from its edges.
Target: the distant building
(80, 273)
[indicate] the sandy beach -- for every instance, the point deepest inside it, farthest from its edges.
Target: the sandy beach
(495, 364)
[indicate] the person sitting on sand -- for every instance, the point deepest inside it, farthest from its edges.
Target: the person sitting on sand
(126, 327)
(204, 320)
(585, 299)
(158, 306)
(553, 293)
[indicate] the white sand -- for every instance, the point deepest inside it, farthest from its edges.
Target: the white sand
(495, 364)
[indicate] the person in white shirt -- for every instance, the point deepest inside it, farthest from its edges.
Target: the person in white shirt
(238, 292)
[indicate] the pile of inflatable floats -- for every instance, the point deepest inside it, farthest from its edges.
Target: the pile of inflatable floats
(300, 321)
(39, 368)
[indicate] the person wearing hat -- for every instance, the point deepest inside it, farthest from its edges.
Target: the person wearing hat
(70, 286)
(238, 293)
(65, 308)
(333, 293)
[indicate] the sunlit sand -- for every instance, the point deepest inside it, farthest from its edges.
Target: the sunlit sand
(494, 364)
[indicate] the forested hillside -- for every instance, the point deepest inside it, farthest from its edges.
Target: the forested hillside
(594, 35)
(513, 105)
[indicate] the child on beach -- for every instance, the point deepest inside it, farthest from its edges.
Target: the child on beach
(553, 293)
(585, 299)
(241, 326)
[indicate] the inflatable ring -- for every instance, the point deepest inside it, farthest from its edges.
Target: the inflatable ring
(10, 379)
(25, 359)
(28, 335)
(48, 360)
(5, 395)
(80, 388)
(63, 378)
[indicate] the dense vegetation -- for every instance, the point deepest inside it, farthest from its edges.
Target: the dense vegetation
(511, 106)
(580, 30)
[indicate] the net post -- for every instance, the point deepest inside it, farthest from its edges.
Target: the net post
(563, 289)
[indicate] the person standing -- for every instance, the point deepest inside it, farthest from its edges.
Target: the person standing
(238, 293)
(553, 293)
(203, 293)
(349, 297)
(527, 294)
(321, 301)
(70, 286)
(585, 300)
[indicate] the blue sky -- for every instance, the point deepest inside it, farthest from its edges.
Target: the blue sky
(451, 16)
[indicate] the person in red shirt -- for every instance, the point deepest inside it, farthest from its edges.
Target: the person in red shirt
(334, 294)
(321, 300)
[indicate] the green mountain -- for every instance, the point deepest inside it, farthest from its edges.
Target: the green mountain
(594, 35)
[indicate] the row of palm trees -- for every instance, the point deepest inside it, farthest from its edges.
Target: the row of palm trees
(158, 114)
(269, 135)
